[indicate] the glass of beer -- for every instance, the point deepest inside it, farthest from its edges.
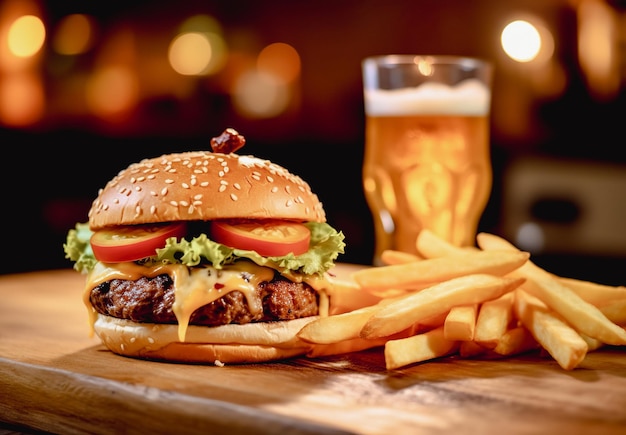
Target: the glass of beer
(427, 161)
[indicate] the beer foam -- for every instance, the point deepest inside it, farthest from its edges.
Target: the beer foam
(470, 97)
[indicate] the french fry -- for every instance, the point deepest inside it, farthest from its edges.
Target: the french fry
(549, 328)
(493, 320)
(592, 343)
(346, 346)
(437, 299)
(391, 256)
(581, 315)
(418, 348)
(338, 327)
(615, 312)
(471, 349)
(595, 293)
(346, 295)
(515, 341)
(420, 274)
(431, 245)
(460, 323)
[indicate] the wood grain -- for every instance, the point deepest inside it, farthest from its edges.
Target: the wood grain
(54, 377)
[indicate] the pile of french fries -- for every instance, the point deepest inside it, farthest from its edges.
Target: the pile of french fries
(490, 301)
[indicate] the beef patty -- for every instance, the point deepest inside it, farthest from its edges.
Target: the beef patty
(150, 300)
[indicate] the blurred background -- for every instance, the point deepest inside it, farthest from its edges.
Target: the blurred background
(87, 88)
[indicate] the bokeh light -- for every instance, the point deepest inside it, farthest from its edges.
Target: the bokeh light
(111, 91)
(190, 53)
(22, 99)
(260, 95)
(26, 36)
(74, 35)
(280, 60)
(521, 41)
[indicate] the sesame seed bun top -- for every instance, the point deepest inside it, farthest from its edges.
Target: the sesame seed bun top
(203, 185)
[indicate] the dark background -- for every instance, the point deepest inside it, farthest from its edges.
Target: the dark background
(52, 170)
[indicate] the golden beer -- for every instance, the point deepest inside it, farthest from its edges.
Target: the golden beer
(427, 162)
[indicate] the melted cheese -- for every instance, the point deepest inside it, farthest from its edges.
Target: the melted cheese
(194, 288)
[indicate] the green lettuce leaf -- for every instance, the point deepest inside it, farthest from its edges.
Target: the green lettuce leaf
(325, 246)
(78, 249)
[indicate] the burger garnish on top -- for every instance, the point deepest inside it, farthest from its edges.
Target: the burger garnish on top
(205, 256)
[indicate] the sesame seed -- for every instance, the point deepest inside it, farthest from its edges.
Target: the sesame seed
(274, 189)
(137, 210)
(174, 203)
(237, 186)
(169, 181)
(190, 209)
(141, 179)
(164, 191)
(220, 173)
(116, 201)
(198, 196)
(138, 188)
(289, 203)
(133, 339)
(233, 197)
(123, 347)
(151, 177)
(185, 185)
(204, 184)
(153, 193)
(153, 209)
(133, 180)
(288, 189)
(222, 188)
(150, 340)
(270, 179)
(184, 203)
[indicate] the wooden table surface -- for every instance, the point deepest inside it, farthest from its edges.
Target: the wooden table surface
(54, 377)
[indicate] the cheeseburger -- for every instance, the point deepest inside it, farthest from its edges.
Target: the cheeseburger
(205, 257)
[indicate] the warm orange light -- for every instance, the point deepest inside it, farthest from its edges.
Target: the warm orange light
(22, 100)
(260, 95)
(111, 91)
(197, 53)
(521, 41)
(598, 48)
(74, 35)
(26, 36)
(190, 53)
(280, 60)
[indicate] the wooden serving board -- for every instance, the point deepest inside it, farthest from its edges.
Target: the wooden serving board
(54, 377)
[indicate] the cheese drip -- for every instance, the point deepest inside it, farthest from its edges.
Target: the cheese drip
(194, 288)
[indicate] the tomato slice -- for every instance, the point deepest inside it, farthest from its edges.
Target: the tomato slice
(267, 238)
(132, 243)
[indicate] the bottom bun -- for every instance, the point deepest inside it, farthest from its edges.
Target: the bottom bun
(234, 344)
